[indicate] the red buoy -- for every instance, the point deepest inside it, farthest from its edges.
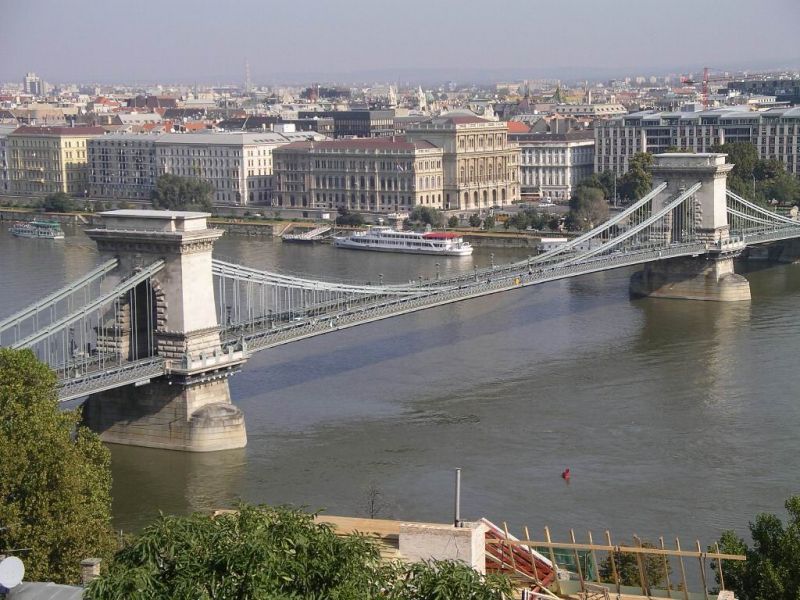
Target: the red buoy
(565, 474)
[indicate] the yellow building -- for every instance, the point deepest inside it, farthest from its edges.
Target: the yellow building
(44, 160)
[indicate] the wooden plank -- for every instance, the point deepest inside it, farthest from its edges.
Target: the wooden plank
(577, 561)
(683, 570)
(719, 567)
(553, 558)
(642, 579)
(666, 568)
(628, 549)
(613, 555)
(594, 560)
(702, 570)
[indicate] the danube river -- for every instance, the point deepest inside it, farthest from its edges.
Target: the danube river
(675, 417)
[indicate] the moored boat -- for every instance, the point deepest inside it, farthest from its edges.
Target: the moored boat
(46, 230)
(386, 239)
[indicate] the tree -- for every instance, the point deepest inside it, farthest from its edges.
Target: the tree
(55, 478)
(277, 553)
(489, 222)
(348, 218)
(604, 181)
(474, 220)
(443, 580)
(628, 568)
(179, 193)
(588, 207)
(452, 222)
(772, 569)
(638, 180)
(58, 202)
(427, 216)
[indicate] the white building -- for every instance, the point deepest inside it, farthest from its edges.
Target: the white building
(775, 133)
(5, 177)
(238, 165)
(553, 164)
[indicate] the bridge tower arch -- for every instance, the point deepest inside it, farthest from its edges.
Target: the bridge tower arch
(190, 407)
(710, 276)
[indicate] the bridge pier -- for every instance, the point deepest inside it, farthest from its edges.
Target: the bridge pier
(699, 278)
(190, 407)
(708, 277)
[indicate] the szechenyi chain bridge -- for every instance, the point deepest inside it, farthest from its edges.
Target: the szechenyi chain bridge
(152, 334)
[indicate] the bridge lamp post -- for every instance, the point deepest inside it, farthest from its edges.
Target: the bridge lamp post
(491, 260)
(437, 271)
(475, 271)
(269, 317)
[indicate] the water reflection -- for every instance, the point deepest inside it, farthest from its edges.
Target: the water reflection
(148, 480)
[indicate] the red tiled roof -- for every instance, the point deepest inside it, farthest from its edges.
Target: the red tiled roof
(66, 131)
(517, 127)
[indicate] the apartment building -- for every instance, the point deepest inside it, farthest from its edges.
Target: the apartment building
(44, 160)
(481, 167)
(369, 174)
(775, 133)
(553, 164)
(238, 165)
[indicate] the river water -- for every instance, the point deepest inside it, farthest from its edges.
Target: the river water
(675, 418)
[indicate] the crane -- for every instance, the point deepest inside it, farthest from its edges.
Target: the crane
(706, 79)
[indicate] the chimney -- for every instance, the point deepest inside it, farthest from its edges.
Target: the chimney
(90, 569)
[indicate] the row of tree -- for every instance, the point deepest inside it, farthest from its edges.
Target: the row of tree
(759, 180)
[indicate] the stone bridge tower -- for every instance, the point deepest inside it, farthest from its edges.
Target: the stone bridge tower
(710, 275)
(189, 408)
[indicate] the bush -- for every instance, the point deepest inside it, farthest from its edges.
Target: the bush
(58, 202)
(348, 218)
(277, 553)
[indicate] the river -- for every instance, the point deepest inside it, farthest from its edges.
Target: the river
(675, 417)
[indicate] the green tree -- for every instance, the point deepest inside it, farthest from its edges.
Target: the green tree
(628, 568)
(588, 207)
(348, 218)
(445, 580)
(427, 216)
(474, 220)
(772, 569)
(638, 180)
(276, 553)
(178, 193)
(58, 202)
(55, 479)
(489, 222)
(452, 222)
(603, 181)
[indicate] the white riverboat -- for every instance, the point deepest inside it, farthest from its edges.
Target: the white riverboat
(43, 230)
(386, 239)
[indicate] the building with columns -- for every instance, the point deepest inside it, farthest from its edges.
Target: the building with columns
(553, 164)
(367, 174)
(481, 167)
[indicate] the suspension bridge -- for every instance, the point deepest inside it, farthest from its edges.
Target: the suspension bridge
(152, 334)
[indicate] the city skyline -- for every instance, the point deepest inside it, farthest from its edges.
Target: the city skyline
(198, 43)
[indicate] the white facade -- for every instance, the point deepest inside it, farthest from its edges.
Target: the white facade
(238, 165)
(775, 133)
(552, 165)
(5, 177)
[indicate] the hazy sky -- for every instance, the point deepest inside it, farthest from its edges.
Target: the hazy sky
(208, 41)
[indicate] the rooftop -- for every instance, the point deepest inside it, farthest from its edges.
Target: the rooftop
(394, 143)
(80, 130)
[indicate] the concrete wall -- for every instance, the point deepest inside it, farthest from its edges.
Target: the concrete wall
(444, 542)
